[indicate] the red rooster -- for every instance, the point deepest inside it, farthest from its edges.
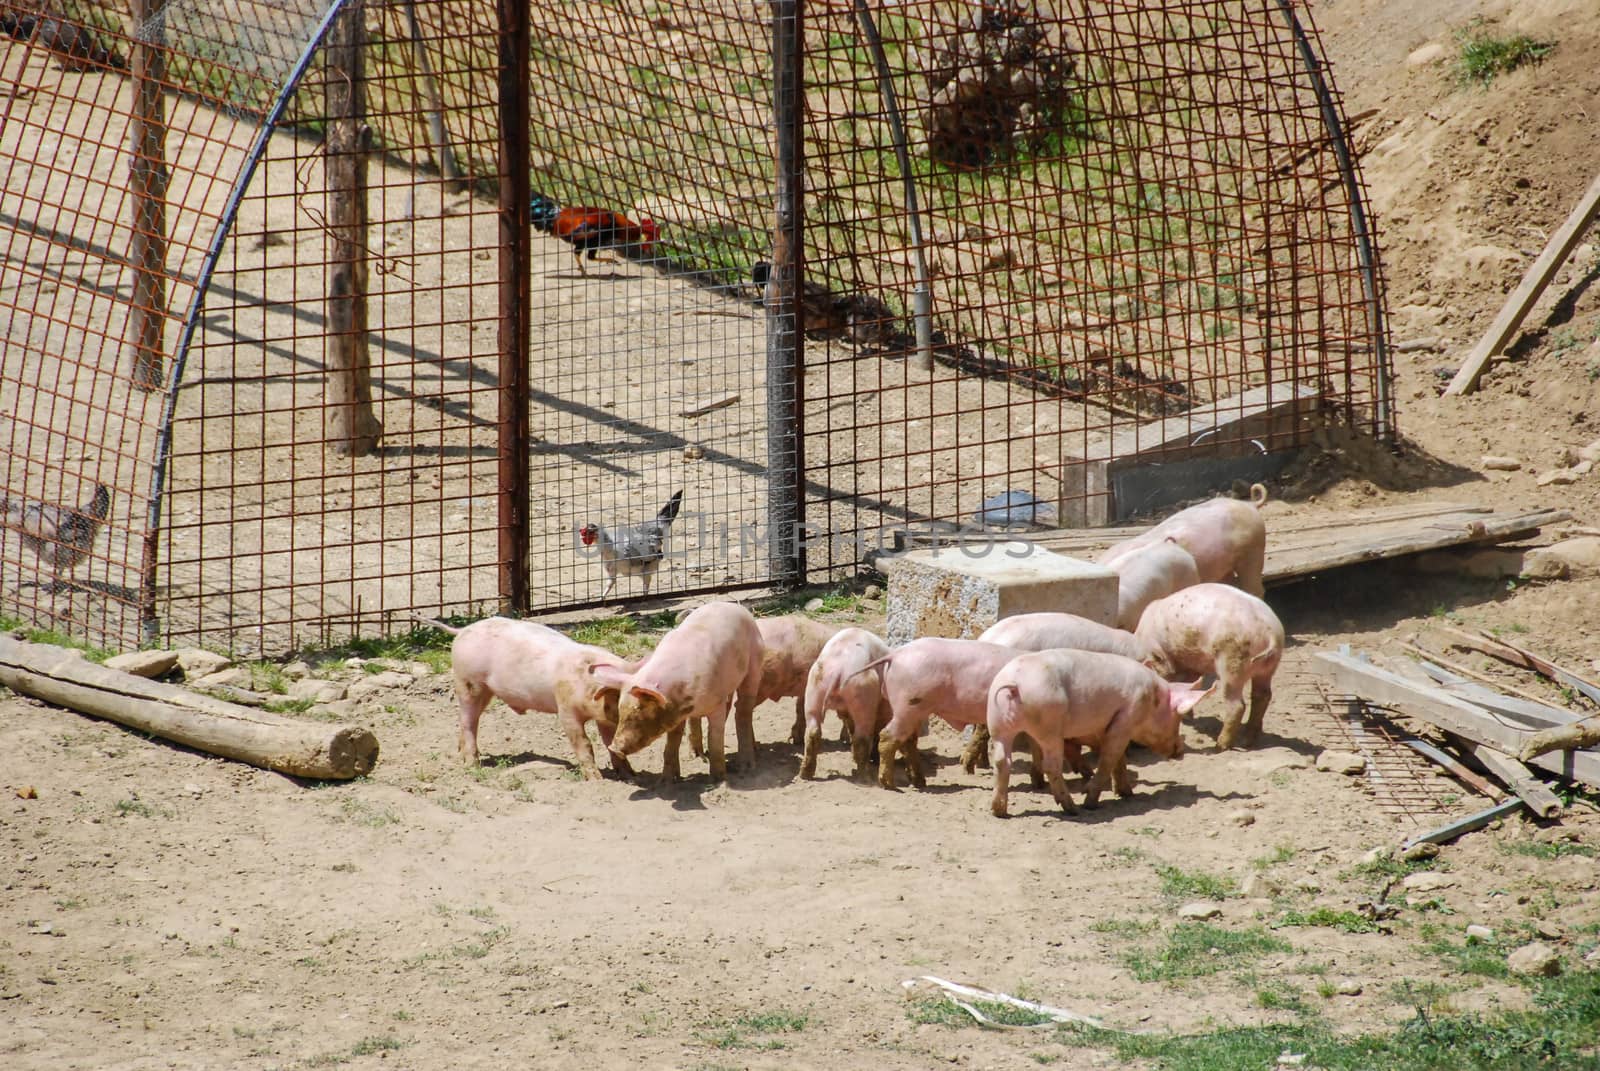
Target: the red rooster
(592, 229)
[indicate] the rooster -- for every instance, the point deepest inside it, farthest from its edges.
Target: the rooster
(592, 229)
(633, 550)
(60, 536)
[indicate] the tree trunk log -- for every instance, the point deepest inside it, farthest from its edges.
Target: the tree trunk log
(62, 677)
(1585, 733)
(353, 428)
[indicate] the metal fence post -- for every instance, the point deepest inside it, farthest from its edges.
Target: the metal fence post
(785, 329)
(516, 191)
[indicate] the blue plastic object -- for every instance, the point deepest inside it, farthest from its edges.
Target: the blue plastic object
(1015, 509)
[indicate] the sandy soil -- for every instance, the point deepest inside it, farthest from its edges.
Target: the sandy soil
(162, 908)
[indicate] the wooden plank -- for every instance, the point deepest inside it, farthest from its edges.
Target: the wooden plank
(1488, 529)
(1448, 712)
(1520, 656)
(1534, 713)
(1517, 777)
(1539, 274)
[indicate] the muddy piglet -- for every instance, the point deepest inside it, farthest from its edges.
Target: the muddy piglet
(1214, 628)
(708, 663)
(836, 682)
(533, 667)
(1061, 695)
(1226, 538)
(931, 676)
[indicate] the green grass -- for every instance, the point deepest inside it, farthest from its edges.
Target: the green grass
(1180, 883)
(1344, 921)
(362, 813)
(289, 706)
(1482, 959)
(839, 599)
(1281, 854)
(1482, 55)
(754, 1031)
(50, 636)
(938, 1010)
(1541, 850)
(1197, 949)
(1125, 928)
(631, 636)
(138, 807)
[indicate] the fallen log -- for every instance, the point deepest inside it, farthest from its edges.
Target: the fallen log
(1584, 733)
(1449, 712)
(62, 677)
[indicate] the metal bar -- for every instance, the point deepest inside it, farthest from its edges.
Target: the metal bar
(1366, 254)
(785, 345)
(516, 272)
(922, 295)
(1446, 833)
(1481, 785)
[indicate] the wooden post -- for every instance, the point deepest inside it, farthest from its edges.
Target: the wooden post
(785, 310)
(273, 742)
(514, 42)
(147, 180)
(352, 427)
(1505, 325)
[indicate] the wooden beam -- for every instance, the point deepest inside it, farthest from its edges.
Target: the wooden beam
(1517, 777)
(302, 749)
(1451, 713)
(1505, 325)
(1535, 713)
(1521, 656)
(148, 177)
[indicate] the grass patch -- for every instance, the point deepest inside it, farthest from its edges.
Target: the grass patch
(1281, 854)
(138, 807)
(630, 637)
(1482, 55)
(940, 1010)
(1197, 949)
(1483, 959)
(1280, 996)
(289, 706)
(1126, 928)
(754, 1031)
(1540, 850)
(1176, 882)
(1344, 921)
(268, 677)
(367, 814)
(51, 636)
(839, 599)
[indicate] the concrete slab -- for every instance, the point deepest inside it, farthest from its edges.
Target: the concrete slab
(958, 593)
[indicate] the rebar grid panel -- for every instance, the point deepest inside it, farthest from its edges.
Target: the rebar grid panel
(1140, 208)
(1402, 782)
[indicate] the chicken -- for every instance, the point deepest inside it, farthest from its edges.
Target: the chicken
(60, 536)
(633, 550)
(592, 229)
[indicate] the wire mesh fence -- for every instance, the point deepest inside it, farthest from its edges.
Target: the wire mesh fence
(272, 296)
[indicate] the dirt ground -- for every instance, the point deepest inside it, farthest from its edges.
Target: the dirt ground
(162, 908)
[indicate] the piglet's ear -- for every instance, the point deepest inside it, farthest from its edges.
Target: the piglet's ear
(608, 675)
(641, 691)
(1185, 699)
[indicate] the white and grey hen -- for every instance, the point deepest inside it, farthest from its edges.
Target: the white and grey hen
(635, 549)
(60, 536)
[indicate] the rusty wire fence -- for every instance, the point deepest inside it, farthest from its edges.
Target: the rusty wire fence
(1025, 242)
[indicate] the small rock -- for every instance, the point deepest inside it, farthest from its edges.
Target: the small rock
(151, 664)
(1270, 760)
(1584, 467)
(194, 789)
(341, 708)
(196, 662)
(1590, 452)
(1593, 956)
(1241, 818)
(1427, 881)
(1418, 852)
(1200, 910)
(1345, 762)
(419, 669)
(1374, 855)
(27, 792)
(693, 452)
(813, 605)
(1428, 53)
(1476, 932)
(1258, 885)
(872, 591)
(1309, 885)
(318, 690)
(232, 677)
(1535, 958)
(1556, 477)
(354, 663)
(296, 670)
(1500, 464)
(1576, 557)
(377, 683)
(1548, 930)
(1347, 987)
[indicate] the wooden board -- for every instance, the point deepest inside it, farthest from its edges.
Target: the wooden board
(1352, 677)
(1297, 551)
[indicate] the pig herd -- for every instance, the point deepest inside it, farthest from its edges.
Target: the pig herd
(1056, 683)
